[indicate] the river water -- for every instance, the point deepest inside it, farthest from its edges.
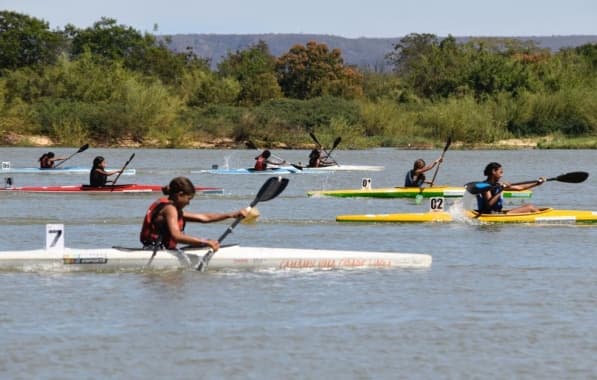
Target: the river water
(500, 301)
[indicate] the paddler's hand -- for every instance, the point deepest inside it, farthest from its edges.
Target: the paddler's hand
(213, 244)
(242, 213)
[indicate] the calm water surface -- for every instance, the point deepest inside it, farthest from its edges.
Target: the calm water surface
(498, 302)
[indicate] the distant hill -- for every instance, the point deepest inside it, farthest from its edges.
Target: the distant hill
(362, 52)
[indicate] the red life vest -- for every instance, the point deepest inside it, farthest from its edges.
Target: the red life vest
(261, 163)
(152, 233)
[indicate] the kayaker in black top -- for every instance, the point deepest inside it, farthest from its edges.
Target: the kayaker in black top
(415, 177)
(98, 176)
(490, 201)
(48, 160)
(317, 159)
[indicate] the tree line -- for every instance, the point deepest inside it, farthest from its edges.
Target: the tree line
(109, 82)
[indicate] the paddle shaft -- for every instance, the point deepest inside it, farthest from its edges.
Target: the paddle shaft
(122, 170)
(269, 190)
(448, 143)
(572, 177)
(81, 149)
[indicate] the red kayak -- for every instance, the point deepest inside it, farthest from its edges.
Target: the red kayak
(125, 188)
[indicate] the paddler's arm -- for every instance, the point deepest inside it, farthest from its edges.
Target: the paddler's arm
(213, 217)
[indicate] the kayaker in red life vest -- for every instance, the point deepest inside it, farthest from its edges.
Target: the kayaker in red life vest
(98, 176)
(48, 160)
(490, 201)
(165, 219)
(263, 160)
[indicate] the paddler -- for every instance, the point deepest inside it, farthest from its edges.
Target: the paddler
(263, 160)
(415, 177)
(490, 201)
(48, 160)
(98, 176)
(165, 219)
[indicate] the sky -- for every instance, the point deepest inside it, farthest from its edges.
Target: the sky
(345, 18)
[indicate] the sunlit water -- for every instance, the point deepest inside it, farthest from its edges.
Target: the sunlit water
(500, 301)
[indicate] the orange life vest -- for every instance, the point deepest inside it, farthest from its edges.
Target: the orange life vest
(152, 233)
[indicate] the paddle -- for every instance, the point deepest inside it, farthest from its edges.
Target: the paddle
(81, 149)
(122, 170)
(251, 145)
(448, 143)
(572, 177)
(269, 190)
(419, 196)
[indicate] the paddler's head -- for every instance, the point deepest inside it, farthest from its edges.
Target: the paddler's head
(180, 191)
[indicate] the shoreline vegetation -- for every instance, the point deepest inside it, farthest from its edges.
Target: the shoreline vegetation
(110, 85)
(545, 142)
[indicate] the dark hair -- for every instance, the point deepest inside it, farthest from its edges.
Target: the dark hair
(491, 167)
(265, 154)
(314, 153)
(179, 185)
(97, 161)
(420, 163)
(46, 155)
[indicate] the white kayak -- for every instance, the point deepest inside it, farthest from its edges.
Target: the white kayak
(292, 169)
(228, 257)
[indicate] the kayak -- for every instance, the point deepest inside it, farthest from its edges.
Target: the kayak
(82, 189)
(409, 192)
(6, 169)
(228, 257)
(292, 169)
(544, 216)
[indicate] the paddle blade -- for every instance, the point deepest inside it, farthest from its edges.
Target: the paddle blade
(477, 187)
(83, 148)
(270, 189)
(448, 143)
(314, 138)
(572, 177)
(336, 142)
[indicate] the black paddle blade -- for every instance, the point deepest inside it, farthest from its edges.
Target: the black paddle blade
(271, 189)
(314, 138)
(572, 177)
(83, 148)
(448, 143)
(336, 142)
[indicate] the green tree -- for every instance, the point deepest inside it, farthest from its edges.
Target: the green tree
(254, 68)
(313, 70)
(26, 41)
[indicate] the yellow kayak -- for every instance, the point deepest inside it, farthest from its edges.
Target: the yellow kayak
(544, 216)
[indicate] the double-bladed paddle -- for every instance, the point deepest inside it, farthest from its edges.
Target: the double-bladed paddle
(81, 149)
(419, 196)
(448, 143)
(122, 170)
(572, 177)
(251, 145)
(269, 190)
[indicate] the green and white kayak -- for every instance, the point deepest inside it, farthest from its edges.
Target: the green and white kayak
(544, 216)
(409, 192)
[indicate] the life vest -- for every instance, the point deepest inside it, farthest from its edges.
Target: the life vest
(260, 163)
(45, 163)
(152, 233)
(482, 205)
(410, 182)
(97, 179)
